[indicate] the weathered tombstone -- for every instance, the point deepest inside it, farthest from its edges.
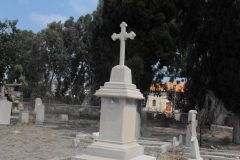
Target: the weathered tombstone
(5, 111)
(24, 116)
(75, 142)
(39, 110)
(177, 115)
(189, 127)
(177, 142)
(180, 139)
(95, 135)
(194, 147)
(5, 108)
(37, 102)
(117, 137)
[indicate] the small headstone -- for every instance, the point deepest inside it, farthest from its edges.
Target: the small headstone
(37, 102)
(20, 106)
(39, 110)
(24, 116)
(180, 139)
(177, 115)
(75, 142)
(177, 142)
(194, 147)
(63, 117)
(95, 135)
(5, 111)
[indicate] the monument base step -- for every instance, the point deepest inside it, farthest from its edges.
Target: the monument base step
(88, 157)
(114, 151)
(195, 159)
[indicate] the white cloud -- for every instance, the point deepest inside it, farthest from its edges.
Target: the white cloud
(43, 19)
(83, 7)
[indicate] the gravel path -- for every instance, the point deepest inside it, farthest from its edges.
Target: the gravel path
(43, 142)
(54, 139)
(34, 143)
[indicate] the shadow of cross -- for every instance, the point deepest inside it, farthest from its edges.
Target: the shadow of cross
(122, 36)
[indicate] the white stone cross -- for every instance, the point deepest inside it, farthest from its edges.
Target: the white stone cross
(122, 36)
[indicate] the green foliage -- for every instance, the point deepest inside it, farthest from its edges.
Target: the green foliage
(76, 56)
(57, 56)
(27, 68)
(78, 47)
(153, 21)
(210, 38)
(7, 45)
(137, 67)
(54, 54)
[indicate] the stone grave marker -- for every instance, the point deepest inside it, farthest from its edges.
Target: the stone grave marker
(37, 102)
(5, 111)
(189, 129)
(117, 136)
(39, 110)
(177, 142)
(192, 136)
(24, 116)
(5, 108)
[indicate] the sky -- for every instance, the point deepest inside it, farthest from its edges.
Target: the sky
(36, 14)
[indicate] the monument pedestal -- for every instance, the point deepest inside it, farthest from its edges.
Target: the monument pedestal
(108, 150)
(118, 121)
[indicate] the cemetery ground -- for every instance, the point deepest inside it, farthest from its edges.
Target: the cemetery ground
(53, 139)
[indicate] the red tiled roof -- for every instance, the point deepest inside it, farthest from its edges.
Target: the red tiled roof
(167, 86)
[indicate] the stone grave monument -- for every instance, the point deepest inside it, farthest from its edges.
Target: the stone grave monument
(192, 136)
(5, 108)
(39, 110)
(37, 102)
(24, 116)
(189, 128)
(117, 136)
(177, 142)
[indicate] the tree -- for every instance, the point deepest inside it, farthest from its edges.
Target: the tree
(210, 37)
(153, 21)
(7, 48)
(64, 49)
(77, 37)
(28, 57)
(54, 55)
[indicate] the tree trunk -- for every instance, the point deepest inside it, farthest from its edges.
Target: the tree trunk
(236, 128)
(50, 83)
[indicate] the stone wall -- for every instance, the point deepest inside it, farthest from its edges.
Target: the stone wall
(74, 111)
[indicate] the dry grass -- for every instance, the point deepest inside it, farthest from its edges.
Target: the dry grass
(175, 157)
